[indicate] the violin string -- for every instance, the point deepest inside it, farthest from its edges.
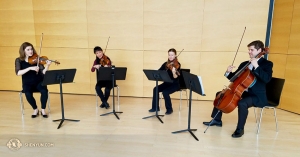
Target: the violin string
(238, 47)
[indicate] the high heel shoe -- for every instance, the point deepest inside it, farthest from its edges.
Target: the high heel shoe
(44, 115)
(34, 116)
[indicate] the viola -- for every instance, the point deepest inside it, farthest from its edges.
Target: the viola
(175, 64)
(42, 60)
(227, 100)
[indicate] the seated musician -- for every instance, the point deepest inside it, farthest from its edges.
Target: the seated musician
(255, 95)
(102, 61)
(168, 88)
(32, 77)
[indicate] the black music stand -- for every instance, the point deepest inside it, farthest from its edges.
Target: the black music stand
(194, 83)
(59, 77)
(112, 73)
(157, 75)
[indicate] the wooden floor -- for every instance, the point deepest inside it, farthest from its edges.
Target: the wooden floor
(132, 136)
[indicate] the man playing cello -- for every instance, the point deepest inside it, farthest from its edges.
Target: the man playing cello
(255, 94)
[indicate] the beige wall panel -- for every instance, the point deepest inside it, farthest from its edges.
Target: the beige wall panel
(16, 5)
(225, 25)
(281, 26)
(63, 23)
(173, 24)
(71, 58)
(290, 96)
(121, 20)
(8, 77)
(16, 26)
(279, 64)
(62, 35)
(59, 5)
(294, 46)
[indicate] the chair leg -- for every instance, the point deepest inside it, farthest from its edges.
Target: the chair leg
(21, 103)
(96, 100)
(180, 99)
(118, 88)
(160, 98)
(255, 114)
(261, 112)
(186, 94)
(48, 102)
(275, 119)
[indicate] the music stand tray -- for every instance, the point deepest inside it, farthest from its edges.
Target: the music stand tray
(60, 77)
(194, 83)
(157, 75)
(112, 73)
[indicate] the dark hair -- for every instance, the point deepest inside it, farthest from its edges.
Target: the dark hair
(22, 50)
(172, 50)
(257, 45)
(97, 48)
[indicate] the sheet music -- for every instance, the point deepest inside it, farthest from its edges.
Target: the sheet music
(200, 80)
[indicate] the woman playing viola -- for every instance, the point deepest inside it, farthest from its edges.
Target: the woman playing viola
(172, 66)
(102, 61)
(32, 77)
(255, 95)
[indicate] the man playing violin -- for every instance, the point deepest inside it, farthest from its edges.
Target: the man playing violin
(32, 77)
(172, 66)
(255, 95)
(102, 61)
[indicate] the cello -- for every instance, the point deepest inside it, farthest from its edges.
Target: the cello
(227, 99)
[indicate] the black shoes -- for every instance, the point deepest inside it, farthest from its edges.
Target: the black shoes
(153, 110)
(213, 122)
(169, 112)
(104, 105)
(34, 116)
(44, 115)
(238, 133)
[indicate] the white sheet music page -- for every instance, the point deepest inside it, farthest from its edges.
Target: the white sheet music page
(200, 80)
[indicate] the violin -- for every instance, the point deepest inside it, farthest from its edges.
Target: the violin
(42, 60)
(105, 61)
(175, 64)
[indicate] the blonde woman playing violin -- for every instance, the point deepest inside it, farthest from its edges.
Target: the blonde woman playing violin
(172, 66)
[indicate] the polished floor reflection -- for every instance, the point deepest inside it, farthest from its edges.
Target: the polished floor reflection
(97, 135)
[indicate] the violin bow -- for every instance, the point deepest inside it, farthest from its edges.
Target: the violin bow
(106, 45)
(180, 53)
(238, 47)
(40, 51)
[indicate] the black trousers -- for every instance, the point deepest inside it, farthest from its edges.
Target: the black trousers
(107, 85)
(28, 89)
(166, 89)
(243, 105)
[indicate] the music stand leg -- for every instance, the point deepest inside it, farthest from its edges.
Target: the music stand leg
(189, 119)
(211, 121)
(114, 111)
(62, 107)
(156, 113)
